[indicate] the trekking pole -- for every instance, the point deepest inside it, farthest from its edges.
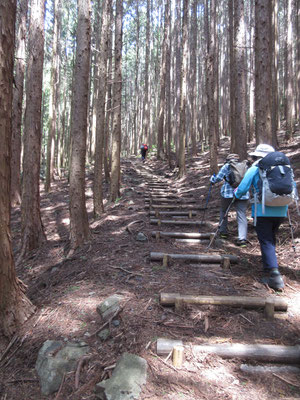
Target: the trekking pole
(207, 199)
(292, 233)
(220, 224)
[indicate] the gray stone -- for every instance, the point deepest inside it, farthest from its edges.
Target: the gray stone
(141, 237)
(116, 322)
(104, 334)
(56, 358)
(126, 380)
(109, 306)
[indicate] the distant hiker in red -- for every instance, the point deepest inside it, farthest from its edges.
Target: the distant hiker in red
(144, 149)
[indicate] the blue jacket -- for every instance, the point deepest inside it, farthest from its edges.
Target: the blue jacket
(252, 178)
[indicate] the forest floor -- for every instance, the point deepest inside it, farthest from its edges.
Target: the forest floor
(114, 262)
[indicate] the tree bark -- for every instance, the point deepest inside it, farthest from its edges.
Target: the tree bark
(117, 100)
(183, 90)
(100, 121)
(15, 307)
(79, 226)
(32, 229)
(240, 142)
(17, 104)
(263, 89)
(211, 84)
(53, 106)
(146, 108)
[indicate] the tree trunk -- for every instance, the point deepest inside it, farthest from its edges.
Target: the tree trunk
(100, 121)
(79, 226)
(117, 100)
(193, 77)
(240, 143)
(211, 85)
(263, 89)
(32, 229)
(15, 308)
(53, 106)
(183, 89)
(162, 96)
(289, 75)
(17, 105)
(146, 109)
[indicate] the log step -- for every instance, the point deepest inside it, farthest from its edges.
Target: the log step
(259, 352)
(183, 235)
(202, 258)
(174, 207)
(176, 222)
(173, 213)
(169, 299)
(174, 201)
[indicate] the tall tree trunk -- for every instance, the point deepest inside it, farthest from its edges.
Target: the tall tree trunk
(79, 226)
(162, 96)
(263, 89)
(289, 75)
(146, 108)
(53, 101)
(183, 91)
(275, 77)
(240, 143)
(117, 100)
(17, 104)
(15, 308)
(298, 60)
(100, 124)
(193, 76)
(232, 75)
(211, 85)
(136, 81)
(32, 229)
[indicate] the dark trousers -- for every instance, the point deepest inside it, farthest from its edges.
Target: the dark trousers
(266, 229)
(143, 153)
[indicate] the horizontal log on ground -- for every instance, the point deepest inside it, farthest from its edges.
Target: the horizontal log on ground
(193, 241)
(258, 352)
(175, 207)
(203, 258)
(175, 212)
(176, 222)
(169, 299)
(186, 235)
(172, 201)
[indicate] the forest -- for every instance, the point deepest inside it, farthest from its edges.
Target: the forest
(84, 83)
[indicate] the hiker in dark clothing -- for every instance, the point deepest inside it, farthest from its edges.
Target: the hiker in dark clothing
(144, 149)
(226, 199)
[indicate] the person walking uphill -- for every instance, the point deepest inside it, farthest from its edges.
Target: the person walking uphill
(268, 218)
(226, 174)
(144, 149)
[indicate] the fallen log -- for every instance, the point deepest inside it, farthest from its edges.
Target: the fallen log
(203, 258)
(169, 299)
(176, 222)
(259, 352)
(183, 235)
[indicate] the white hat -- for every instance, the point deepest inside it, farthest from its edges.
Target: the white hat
(262, 150)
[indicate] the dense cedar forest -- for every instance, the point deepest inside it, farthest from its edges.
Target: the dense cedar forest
(83, 85)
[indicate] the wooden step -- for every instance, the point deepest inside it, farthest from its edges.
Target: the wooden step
(159, 222)
(186, 235)
(202, 258)
(169, 299)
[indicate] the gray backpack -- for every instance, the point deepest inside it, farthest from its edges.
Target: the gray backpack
(237, 172)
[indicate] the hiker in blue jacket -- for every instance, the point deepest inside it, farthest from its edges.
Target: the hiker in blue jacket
(226, 199)
(267, 222)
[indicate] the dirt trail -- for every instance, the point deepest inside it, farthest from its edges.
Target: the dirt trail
(67, 291)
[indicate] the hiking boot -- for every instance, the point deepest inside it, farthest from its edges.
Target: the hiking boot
(242, 243)
(273, 279)
(223, 235)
